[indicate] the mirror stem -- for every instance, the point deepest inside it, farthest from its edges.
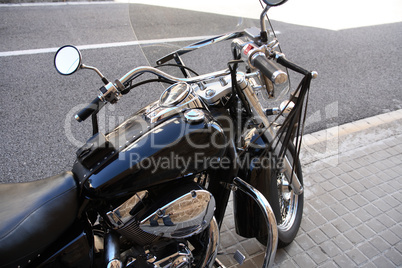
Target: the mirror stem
(104, 80)
(264, 33)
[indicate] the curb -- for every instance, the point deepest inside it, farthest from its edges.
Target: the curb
(327, 143)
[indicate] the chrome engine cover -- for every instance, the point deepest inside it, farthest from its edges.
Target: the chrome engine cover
(187, 215)
(179, 213)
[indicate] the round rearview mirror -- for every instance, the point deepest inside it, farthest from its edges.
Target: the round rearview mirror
(274, 2)
(67, 60)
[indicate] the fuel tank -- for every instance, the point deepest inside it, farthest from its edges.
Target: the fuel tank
(141, 153)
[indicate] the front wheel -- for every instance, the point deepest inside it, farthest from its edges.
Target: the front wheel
(286, 205)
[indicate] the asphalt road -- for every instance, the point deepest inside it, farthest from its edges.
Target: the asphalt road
(359, 72)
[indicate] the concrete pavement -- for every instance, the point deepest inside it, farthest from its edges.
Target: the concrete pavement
(353, 201)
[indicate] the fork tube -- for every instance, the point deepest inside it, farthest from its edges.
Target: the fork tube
(259, 116)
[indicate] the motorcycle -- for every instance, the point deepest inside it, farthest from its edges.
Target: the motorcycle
(153, 191)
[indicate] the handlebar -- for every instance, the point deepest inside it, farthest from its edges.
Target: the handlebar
(268, 68)
(91, 108)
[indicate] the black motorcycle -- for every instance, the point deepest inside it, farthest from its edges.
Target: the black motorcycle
(153, 191)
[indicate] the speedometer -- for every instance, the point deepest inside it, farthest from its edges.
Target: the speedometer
(174, 94)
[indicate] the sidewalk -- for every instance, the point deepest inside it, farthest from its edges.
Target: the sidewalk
(353, 201)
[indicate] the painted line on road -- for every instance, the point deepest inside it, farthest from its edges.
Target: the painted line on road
(106, 45)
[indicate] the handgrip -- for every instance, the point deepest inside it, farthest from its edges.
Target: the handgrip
(94, 106)
(269, 68)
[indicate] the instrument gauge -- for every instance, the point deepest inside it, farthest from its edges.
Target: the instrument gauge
(174, 94)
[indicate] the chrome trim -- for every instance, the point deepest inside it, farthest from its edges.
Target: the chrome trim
(158, 112)
(177, 99)
(314, 74)
(272, 241)
(182, 258)
(121, 215)
(262, 18)
(214, 91)
(147, 69)
(183, 217)
(194, 116)
(211, 251)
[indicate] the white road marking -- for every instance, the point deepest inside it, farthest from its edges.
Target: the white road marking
(106, 45)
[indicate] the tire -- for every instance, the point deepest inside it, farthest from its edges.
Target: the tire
(287, 206)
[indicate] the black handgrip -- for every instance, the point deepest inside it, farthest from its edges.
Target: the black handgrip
(269, 68)
(93, 107)
(288, 64)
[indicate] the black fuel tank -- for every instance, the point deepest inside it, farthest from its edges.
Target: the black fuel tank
(145, 155)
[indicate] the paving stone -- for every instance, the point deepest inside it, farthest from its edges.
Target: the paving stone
(329, 230)
(294, 248)
(372, 210)
(342, 242)
(365, 171)
(372, 169)
(326, 174)
(357, 186)
(394, 256)
(281, 256)
(339, 209)
(365, 231)
(317, 190)
(337, 182)
(356, 256)
(328, 214)
(397, 229)
(285, 264)
(316, 218)
(227, 239)
(307, 225)
(398, 246)
(346, 178)
(327, 186)
(354, 236)
(386, 187)
(251, 246)
(390, 237)
(382, 261)
(344, 261)
(330, 248)
(318, 255)
(305, 242)
(375, 225)
(328, 199)
(350, 204)
(351, 219)
(386, 220)
(356, 175)
(328, 264)
(318, 236)
(362, 215)
(381, 205)
(339, 195)
(303, 260)
(368, 250)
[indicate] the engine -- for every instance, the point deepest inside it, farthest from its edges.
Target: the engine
(161, 226)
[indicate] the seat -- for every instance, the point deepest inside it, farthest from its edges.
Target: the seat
(33, 215)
